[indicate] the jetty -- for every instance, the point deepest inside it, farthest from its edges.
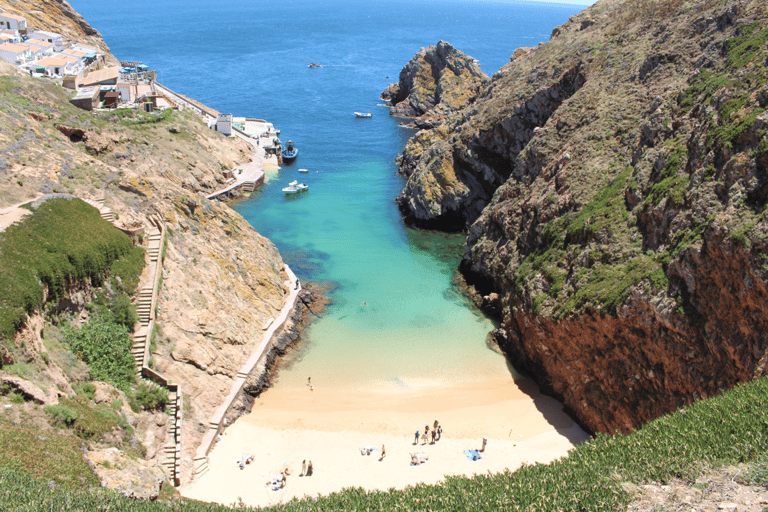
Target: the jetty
(247, 176)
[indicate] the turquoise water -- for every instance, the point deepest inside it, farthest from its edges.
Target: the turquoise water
(396, 318)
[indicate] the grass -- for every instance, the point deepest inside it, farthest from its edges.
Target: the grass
(727, 429)
(47, 456)
(45, 256)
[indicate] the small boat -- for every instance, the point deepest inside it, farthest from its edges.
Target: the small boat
(314, 65)
(295, 187)
(303, 170)
(363, 114)
(290, 151)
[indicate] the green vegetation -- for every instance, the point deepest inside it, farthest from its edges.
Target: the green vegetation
(130, 117)
(45, 256)
(745, 55)
(610, 276)
(150, 397)
(728, 429)
(106, 347)
(671, 184)
(47, 456)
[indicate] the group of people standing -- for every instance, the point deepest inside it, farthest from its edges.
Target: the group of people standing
(429, 436)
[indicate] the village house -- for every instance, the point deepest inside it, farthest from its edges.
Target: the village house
(57, 66)
(49, 37)
(41, 48)
(13, 22)
(9, 36)
(15, 53)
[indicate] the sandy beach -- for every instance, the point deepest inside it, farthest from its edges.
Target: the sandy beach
(329, 426)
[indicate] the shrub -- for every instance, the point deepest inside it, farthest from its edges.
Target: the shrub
(61, 414)
(88, 390)
(106, 348)
(150, 397)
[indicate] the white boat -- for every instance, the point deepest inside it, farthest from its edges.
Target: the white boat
(295, 187)
(303, 170)
(363, 114)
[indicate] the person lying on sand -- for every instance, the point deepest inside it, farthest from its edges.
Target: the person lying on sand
(418, 458)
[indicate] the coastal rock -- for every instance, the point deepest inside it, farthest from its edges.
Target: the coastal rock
(611, 196)
(134, 478)
(437, 81)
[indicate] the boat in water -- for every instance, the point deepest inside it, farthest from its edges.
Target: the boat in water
(290, 151)
(295, 187)
(304, 170)
(363, 114)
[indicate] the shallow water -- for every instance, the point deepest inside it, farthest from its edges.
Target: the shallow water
(397, 321)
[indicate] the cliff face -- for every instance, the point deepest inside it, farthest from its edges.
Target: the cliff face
(613, 183)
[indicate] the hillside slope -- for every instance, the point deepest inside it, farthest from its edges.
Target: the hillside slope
(221, 282)
(624, 247)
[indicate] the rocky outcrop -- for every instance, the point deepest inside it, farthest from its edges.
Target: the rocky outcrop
(437, 81)
(452, 180)
(130, 477)
(612, 182)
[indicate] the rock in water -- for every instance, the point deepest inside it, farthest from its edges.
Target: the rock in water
(437, 81)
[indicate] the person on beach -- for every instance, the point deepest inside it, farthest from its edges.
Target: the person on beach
(439, 432)
(485, 441)
(383, 453)
(433, 437)
(303, 467)
(416, 440)
(309, 469)
(437, 424)
(297, 284)
(425, 436)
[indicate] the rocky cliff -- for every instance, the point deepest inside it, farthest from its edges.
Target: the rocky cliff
(613, 183)
(437, 81)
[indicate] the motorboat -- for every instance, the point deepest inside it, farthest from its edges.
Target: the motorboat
(363, 114)
(304, 170)
(290, 151)
(295, 187)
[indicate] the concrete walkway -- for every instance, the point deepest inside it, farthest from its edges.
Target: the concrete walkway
(247, 175)
(216, 423)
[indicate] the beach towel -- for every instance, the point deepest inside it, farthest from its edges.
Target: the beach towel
(473, 455)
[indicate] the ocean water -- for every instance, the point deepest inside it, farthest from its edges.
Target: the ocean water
(397, 318)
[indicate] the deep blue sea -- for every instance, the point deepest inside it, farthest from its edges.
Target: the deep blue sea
(394, 302)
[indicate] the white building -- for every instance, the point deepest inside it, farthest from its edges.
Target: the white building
(40, 48)
(15, 53)
(224, 124)
(9, 36)
(49, 37)
(13, 22)
(58, 66)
